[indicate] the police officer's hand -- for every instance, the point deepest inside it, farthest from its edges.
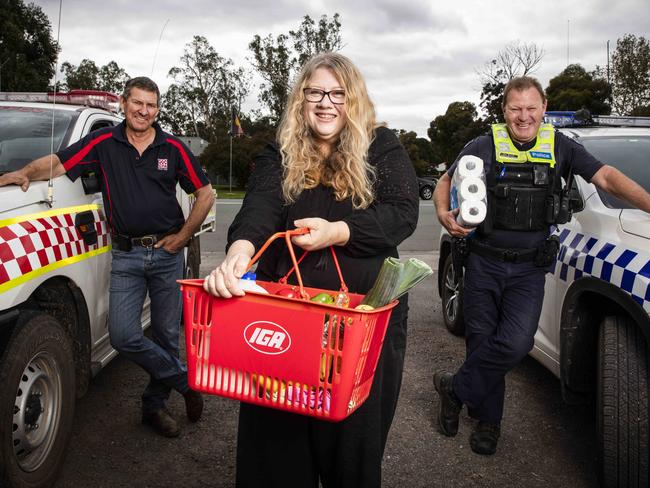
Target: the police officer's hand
(448, 221)
(173, 243)
(322, 233)
(15, 178)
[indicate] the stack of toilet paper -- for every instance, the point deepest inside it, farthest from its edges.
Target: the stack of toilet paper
(468, 191)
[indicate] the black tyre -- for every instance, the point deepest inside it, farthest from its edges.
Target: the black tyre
(426, 192)
(452, 298)
(193, 261)
(37, 401)
(623, 429)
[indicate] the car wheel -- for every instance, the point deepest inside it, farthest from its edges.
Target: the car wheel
(623, 428)
(452, 298)
(193, 261)
(426, 192)
(37, 402)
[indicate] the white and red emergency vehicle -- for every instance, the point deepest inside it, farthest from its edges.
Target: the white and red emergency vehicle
(54, 276)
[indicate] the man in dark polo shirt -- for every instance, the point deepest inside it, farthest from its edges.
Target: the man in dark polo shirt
(139, 166)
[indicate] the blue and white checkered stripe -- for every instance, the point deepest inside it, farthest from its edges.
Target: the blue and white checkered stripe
(583, 255)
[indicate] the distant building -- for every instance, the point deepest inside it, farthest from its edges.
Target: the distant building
(196, 144)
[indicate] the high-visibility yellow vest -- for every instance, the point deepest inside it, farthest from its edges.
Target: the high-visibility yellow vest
(542, 152)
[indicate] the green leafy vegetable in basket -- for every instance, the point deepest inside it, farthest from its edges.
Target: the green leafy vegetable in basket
(395, 279)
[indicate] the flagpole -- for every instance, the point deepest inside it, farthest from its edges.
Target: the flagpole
(230, 175)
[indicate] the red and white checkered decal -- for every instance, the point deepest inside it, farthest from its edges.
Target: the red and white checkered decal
(33, 244)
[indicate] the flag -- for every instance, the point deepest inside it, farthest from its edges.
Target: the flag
(235, 126)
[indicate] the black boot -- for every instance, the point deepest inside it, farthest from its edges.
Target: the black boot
(485, 438)
(450, 405)
(161, 422)
(193, 405)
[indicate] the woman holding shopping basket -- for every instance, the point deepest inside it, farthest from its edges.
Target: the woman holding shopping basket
(337, 172)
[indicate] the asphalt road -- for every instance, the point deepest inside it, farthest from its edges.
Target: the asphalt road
(544, 442)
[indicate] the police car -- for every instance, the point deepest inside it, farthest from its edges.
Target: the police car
(595, 323)
(54, 276)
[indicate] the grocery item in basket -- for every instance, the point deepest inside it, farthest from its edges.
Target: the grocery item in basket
(342, 300)
(288, 292)
(323, 298)
(307, 397)
(247, 283)
(395, 279)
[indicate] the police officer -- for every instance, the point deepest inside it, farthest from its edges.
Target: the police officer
(510, 252)
(140, 166)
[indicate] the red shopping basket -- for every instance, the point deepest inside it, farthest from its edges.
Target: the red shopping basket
(285, 353)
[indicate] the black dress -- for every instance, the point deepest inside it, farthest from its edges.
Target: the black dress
(286, 450)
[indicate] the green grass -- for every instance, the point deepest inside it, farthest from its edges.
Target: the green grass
(223, 191)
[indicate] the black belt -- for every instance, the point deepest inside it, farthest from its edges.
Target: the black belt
(126, 243)
(500, 254)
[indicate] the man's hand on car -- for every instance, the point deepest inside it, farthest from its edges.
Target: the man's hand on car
(15, 178)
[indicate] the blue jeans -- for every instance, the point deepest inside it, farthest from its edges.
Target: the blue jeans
(134, 273)
(502, 304)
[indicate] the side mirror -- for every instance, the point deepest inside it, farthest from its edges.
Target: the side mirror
(90, 182)
(576, 203)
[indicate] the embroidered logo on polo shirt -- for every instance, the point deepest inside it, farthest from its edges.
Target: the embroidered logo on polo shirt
(162, 165)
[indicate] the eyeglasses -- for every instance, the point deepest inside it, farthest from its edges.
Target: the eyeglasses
(337, 97)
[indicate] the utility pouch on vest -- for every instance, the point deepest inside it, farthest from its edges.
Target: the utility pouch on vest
(552, 208)
(564, 213)
(547, 252)
(523, 209)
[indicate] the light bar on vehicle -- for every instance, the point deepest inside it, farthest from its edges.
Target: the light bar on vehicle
(87, 98)
(584, 118)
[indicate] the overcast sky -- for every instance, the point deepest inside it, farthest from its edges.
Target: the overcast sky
(417, 56)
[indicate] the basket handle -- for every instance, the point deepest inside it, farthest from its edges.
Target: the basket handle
(287, 237)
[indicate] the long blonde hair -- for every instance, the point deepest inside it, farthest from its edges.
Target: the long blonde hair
(347, 169)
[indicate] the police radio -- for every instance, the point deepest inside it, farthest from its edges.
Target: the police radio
(564, 212)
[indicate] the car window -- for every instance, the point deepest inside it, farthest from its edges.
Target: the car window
(26, 134)
(630, 154)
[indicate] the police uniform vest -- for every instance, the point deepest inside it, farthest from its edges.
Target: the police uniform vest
(524, 192)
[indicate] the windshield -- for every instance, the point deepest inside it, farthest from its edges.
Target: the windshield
(630, 154)
(26, 133)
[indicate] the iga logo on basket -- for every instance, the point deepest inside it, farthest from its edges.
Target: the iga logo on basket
(267, 337)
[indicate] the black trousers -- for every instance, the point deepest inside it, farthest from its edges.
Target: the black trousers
(502, 304)
(280, 449)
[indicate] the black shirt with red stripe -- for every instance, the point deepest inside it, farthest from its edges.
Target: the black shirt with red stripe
(139, 190)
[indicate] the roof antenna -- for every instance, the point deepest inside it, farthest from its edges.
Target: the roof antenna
(50, 184)
(153, 65)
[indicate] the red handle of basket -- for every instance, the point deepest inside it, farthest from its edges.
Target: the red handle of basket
(344, 287)
(287, 237)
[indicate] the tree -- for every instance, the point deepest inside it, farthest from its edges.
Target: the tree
(516, 59)
(277, 61)
(574, 89)
(207, 87)
(419, 149)
(89, 76)
(631, 74)
(450, 132)
(216, 156)
(27, 50)
(85, 76)
(112, 77)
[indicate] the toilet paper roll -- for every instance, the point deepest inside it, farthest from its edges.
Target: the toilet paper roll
(470, 166)
(471, 188)
(471, 213)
